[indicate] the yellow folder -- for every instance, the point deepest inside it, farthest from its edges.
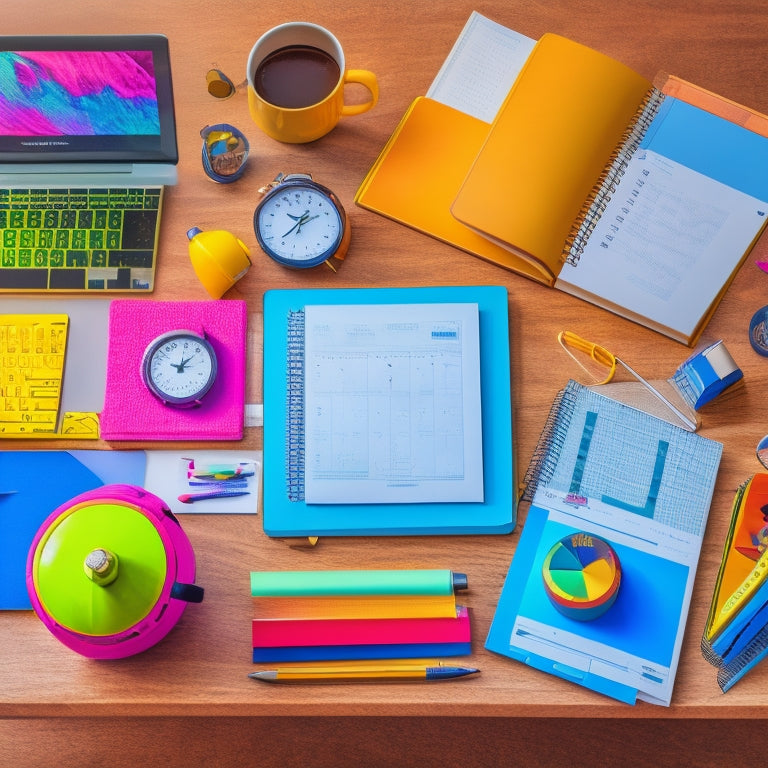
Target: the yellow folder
(549, 173)
(418, 172)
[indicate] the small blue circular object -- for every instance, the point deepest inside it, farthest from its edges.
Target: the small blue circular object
(225, 151)
(758, 331)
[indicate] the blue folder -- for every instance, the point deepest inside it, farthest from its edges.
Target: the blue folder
(32, 485)
(645, 485)
(495, 514)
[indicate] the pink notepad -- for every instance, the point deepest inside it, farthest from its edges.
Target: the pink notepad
(278, 633)
(131, 412)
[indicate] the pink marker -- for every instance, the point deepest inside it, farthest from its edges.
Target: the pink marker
(189, 498)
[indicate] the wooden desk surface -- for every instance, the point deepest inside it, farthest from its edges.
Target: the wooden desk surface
(200, 668)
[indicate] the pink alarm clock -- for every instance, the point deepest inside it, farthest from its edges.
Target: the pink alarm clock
(111, 571)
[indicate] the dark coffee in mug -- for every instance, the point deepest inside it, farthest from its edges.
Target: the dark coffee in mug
(296, 76)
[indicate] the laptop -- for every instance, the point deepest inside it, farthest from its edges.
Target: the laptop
(87, 148)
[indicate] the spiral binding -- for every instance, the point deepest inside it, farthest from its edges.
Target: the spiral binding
(547, 452)
(596, 203)
(754, 652)
(295, 407)
(709, 653)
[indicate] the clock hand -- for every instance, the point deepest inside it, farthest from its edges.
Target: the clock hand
(305, 221)
(300, 221)
(180, 367)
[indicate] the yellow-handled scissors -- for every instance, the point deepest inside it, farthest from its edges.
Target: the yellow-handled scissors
(570, 341)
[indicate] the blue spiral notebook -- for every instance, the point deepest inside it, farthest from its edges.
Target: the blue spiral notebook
(641, 484)
(286, 511)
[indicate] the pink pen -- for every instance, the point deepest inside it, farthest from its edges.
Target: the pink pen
(189, 498)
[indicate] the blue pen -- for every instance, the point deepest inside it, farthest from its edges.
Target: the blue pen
(222, 485)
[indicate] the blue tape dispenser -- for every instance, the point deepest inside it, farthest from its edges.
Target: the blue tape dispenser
(703, 376)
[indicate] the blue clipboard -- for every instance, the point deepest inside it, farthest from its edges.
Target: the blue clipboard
(495, 514)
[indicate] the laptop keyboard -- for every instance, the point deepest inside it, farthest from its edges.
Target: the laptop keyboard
(78, 239)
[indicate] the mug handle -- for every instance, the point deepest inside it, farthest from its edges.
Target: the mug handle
(368, 80)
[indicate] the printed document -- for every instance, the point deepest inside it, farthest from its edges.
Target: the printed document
(392, 404)
(481, 68)
(638, 643)
(666, 242)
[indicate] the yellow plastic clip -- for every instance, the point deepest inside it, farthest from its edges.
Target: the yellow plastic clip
(569, 340)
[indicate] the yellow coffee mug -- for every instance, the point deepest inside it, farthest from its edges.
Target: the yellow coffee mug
(279, 111)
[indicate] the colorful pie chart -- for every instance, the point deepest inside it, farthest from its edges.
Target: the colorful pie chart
(581, 576)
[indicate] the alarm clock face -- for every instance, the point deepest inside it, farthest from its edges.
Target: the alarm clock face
(179, 368)
(299, 225)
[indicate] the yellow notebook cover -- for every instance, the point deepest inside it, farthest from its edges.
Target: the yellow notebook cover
(548, 147)
(541, 190)
(418, 172)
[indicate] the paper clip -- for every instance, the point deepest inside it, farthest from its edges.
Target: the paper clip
(570, 341)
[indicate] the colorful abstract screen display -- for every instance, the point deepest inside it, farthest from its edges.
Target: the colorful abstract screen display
(86, 99)
(78, 93)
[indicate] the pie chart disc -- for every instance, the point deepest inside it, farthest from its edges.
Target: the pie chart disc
(581, 575)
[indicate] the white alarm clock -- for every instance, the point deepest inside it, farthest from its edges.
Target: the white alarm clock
(179, 368)
(300, 223)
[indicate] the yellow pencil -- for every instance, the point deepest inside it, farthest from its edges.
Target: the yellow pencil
(370, 672)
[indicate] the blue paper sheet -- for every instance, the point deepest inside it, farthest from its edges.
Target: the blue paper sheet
(711, 145)
(32, 485)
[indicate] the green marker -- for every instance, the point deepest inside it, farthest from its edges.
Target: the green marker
(359, 582)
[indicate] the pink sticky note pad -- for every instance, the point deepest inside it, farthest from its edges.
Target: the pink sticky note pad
(131, 412)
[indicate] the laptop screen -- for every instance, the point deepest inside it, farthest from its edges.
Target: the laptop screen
(86, 99)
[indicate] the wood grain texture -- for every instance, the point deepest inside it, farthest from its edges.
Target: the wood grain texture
(194, 682)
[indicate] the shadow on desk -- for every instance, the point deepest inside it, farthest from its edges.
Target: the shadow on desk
(372, 742)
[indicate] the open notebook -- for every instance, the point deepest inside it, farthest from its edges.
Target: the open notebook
(644, 200)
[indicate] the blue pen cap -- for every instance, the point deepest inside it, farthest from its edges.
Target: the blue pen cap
(460, 582)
